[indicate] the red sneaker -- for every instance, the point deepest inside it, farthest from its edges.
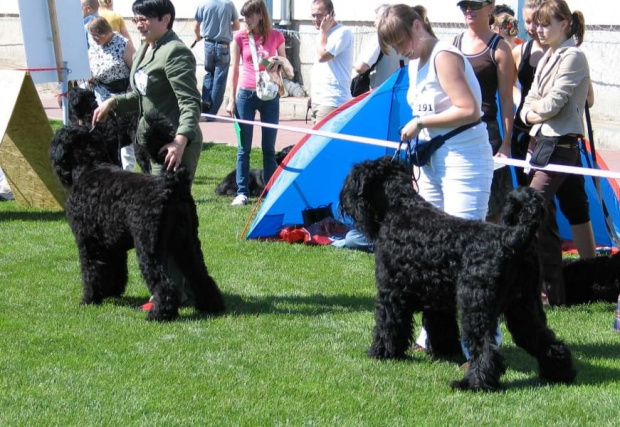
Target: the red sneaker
(147, 306)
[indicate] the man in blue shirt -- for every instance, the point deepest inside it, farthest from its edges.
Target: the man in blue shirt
(90, 10)
(215, 22)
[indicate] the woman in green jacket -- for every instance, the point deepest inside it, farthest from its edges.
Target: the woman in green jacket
(163, 76)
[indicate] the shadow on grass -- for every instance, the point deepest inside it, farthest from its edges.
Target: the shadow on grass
(303, 305)
(587, 373)
(32, 216)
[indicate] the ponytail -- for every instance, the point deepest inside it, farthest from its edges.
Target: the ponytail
(577, 27)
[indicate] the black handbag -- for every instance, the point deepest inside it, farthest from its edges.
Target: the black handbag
(313, 215)
(116, 86)
(545, 146)
(361, 83)
(422, 151)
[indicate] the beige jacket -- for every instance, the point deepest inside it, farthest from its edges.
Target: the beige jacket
(560, 85)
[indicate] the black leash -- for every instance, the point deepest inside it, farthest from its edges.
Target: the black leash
(396, 157)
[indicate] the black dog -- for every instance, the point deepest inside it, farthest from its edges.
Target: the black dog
(228, 186)
(590, 280)
(111, 211)
(121, 129)
(429, 261)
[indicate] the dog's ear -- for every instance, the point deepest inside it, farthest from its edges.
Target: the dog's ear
(60, 156)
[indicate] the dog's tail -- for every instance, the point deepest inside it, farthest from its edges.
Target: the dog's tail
(524, 211)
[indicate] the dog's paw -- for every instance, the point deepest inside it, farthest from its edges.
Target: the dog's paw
(466, 385)
(381, 352)
(91, 300)
(162, 316)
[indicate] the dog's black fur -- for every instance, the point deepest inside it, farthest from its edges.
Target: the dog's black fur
(120, 129)
(228, 186)
(111, 211)
(590, 280)
(429, 261)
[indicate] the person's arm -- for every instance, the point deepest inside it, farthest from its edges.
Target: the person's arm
(326, 24)
(282, 61)
(590, 96)
(197, 30)
(180, 69)
(571, 70)
(128, 54)
(236, 25)
(517, 53)
(361, 67)
(451, 75)
(368, 57)
(233, 77)
(125, 33)
(505, 82)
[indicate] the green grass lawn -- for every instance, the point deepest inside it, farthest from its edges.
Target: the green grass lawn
(289, 351)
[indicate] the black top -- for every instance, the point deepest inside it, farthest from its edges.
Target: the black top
(525, 75)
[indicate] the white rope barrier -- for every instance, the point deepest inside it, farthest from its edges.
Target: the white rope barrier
(390, 144)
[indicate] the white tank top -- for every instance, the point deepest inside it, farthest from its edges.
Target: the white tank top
(426, 96)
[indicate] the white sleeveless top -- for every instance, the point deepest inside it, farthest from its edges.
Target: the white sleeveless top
(426, 96)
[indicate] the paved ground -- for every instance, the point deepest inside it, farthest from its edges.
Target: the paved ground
(292, 113)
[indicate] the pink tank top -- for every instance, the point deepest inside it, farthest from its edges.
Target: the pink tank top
(265, 49)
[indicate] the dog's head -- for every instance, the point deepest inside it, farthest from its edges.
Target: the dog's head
(82, 104)
(281, 155)
(371, 189)
(159, 132)
(76, 148)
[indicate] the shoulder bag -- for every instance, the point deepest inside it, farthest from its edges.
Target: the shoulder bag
(266, 88)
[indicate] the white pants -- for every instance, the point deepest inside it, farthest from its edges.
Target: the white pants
(457, 179)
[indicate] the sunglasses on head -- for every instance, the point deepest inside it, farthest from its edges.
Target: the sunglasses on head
(472, 5)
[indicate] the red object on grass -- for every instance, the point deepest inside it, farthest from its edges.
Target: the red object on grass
(147, 306)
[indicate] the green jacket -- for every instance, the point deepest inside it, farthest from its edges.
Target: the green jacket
(164, 78)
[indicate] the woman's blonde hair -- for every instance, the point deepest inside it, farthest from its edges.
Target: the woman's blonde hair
(559, 10)
(251, 7)
(397, 21)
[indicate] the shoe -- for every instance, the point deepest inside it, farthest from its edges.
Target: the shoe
(205, 107)
(147, 306)
(240, 200)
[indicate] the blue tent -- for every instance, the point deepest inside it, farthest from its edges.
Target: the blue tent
(314, 171)
(603, 195)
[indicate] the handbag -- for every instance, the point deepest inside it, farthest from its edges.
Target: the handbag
(266, 88)
(545, 146)
(422, 151)
(361, 83)
(313, 215)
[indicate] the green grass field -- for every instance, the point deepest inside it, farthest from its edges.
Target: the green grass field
(289, 351)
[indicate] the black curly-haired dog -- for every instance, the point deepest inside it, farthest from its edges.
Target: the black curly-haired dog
(228, 186)
(590, 280)
(429, 261)
(111, 211)
(122, 129)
